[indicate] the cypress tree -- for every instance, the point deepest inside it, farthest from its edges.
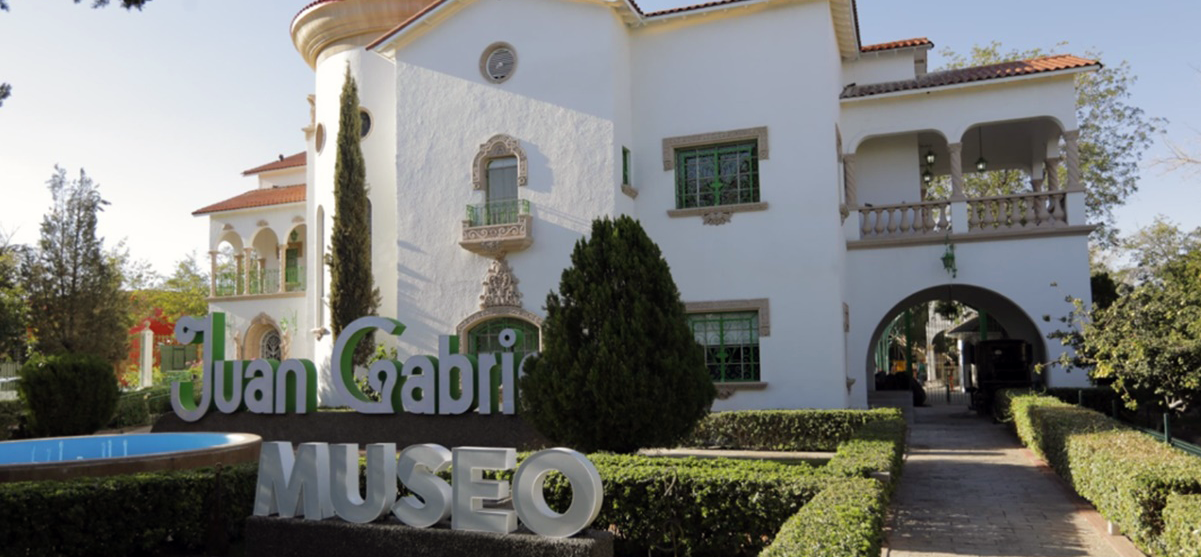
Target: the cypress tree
(620, 369)
(352, 291)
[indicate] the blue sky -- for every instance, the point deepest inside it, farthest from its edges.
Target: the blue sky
(166, 107)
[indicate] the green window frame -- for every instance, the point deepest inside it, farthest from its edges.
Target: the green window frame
(714, 175)
(625, 166)
(731, 343)
(485, 337)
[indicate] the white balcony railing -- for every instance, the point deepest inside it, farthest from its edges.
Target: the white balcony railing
(1021, 211)
(913, 219)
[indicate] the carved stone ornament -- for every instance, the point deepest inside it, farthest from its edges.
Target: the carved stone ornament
(227, 227)
(844, 211)
(500, 145)
(500, 286)
(297, 219)
(261, 224)
(498, 239)
(717, 218)
(724, 393)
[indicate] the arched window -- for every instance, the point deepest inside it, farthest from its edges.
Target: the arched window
(271, 346)
(485, 337)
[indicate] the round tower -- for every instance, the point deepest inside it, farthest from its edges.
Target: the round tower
(331, 35)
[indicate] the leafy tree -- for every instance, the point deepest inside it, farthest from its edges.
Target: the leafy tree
(13, 316)
(1149, 341)
(1113, 136)
(72, 286)
(184, 292)
(620, 368)
(1154, 246)
(352, 291)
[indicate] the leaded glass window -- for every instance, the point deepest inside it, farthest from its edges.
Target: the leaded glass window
(717, 175)
(271, 347)
(485, 337)
(731, 343)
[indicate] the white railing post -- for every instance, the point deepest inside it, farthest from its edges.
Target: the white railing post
(959, 216)
(850, 226)
(1075, 207)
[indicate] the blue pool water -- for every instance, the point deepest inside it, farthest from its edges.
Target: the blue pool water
(59, 449)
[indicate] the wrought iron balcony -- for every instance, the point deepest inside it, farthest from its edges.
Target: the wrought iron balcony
(258, 282)
(497, 227)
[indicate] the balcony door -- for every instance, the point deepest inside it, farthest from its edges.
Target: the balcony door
(501, 207)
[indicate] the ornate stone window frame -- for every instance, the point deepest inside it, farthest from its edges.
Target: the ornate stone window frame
(670, 144)
(498, 146)
(363, 135)
(488, 53)
(761, 305)
(494, 313)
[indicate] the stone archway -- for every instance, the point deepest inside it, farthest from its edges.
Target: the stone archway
(264, 338)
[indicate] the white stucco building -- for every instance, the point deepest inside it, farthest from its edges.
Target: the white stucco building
(779, 163)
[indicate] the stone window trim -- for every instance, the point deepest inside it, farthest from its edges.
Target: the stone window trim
(670, 144)
(760, 305)
(488, 54)
(497, 147)
(717, 214)
(489, 314)
(363, 134)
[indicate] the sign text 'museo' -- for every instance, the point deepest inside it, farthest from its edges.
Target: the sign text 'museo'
(321, 481)
(450, 383)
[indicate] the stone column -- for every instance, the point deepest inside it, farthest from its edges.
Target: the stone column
(246, 268)
(956, 154)
(147, 375)
(1036, 184)
(239, 283)
(851, 188)
(1052, 174)
(283, 262)
(213, 273)
(1072, 139)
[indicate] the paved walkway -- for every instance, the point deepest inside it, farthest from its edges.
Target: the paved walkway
(969, 490)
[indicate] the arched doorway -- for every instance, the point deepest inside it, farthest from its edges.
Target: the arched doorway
(932, 334)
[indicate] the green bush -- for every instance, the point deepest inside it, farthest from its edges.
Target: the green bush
(620, 369)
(143, 513)
(1127, 475)
(694, 506)
(158, 399)
(10, 417)
(877, 450)
(131, 411)
(1182, 526)
(782, 430)
(844, 520)
(68, 394)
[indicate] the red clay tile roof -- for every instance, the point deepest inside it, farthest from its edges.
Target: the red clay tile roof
(284, 162)
(906, 43)
(1045, 64)
(277, 195)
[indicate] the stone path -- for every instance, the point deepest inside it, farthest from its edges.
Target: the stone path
(969, 490)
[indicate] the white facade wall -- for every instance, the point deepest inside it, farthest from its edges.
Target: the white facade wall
(888, 170)
(294, 176)
(690, 80)
(880, 68)
(1034, 273)
(586, 84)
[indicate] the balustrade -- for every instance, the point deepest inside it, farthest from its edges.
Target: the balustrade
(915, 219)
(1017, 212)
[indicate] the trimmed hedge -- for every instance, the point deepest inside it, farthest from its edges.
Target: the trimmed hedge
(1182, 526)
(844, 520)
(877, 448)
(782, 430)
(1127, 475)
(68, 394)
(697, 507)
(126, 514)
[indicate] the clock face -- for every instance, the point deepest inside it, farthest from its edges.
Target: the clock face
(499, 62)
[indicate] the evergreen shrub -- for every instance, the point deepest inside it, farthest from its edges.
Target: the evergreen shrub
(782, 430)
(620, 369)
(68, 394)
(126, 515)
(132, 411)
(1126, 474)
(844, 520)
(1182, 526)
